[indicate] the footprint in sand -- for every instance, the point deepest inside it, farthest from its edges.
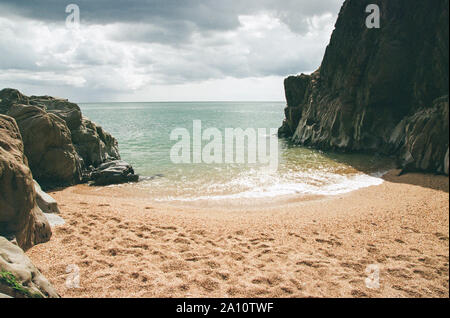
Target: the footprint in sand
(425, 274)
(441, 236)
(180, 240)
(223, 276)
(174, 266)
(400, 273)
(358, 293)
(209, 284)
(213, 265)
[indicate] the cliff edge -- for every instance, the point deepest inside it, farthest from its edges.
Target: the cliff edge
(379, 90)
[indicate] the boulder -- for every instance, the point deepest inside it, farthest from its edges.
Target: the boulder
(20, 217)
(48, 146)
(378, 90)
(9, 97)
(114, 172)
(19, 278)
(62, 146)
(45, 202)
(69, 112)
(94, 144)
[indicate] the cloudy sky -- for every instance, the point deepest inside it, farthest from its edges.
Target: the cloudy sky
(162, 50)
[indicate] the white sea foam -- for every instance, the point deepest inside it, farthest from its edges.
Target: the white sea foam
(326, 184)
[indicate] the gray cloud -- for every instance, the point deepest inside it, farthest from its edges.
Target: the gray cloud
(206, 15)
(125, 46)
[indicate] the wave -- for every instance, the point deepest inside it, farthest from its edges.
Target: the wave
(337, 184)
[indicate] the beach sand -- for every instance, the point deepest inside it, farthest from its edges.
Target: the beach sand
(126, 245)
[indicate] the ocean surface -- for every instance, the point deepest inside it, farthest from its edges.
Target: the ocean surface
(143, 131)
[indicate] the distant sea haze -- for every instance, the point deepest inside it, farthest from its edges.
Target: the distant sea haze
(143, 131)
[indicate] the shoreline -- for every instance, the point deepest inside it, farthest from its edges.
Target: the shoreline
(258, 197)
(130, 246)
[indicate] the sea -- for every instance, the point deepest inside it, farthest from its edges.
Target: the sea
(144, 131)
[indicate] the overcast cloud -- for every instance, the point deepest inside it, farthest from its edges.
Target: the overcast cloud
(146, 50)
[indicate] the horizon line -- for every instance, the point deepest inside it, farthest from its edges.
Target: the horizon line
(189, 101)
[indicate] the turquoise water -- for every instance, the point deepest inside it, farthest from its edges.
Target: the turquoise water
(143, 131)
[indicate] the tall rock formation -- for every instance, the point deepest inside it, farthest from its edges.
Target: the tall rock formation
(20, 216)
(48, 145)
(379, 90)
(62, 146)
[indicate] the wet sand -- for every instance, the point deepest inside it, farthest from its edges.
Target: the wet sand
(126, 245)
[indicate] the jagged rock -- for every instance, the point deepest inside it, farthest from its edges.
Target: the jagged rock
(425, 139)
(19, 278)
(20, 217)
(114, 172)
(74, 143)
(378, 90)
(45, 202)
(9, 97)
(48, 146)
(64, 109)
(94, 145)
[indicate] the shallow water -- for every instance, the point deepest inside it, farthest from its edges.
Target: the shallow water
(143, 131)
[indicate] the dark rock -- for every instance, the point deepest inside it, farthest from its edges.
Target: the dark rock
(64, 109)
(59, 142)
(379, 90)
(114, 172)
(20, 217)
(9, 97)
(48, 146)
(94, 145)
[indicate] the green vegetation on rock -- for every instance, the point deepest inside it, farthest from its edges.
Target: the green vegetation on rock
(11, 281)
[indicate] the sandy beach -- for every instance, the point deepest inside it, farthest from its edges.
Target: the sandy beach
(126, 245)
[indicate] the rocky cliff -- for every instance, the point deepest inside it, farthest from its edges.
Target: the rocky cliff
(47, 139)
(20, 217)
(379, 90)
(63, 147)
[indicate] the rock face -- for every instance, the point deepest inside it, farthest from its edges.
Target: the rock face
(48, 145)
(62, 146)
(20, 217)
(62, 108)
(379, 90)
(19, 278)
(114, 172)
(94, 144)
